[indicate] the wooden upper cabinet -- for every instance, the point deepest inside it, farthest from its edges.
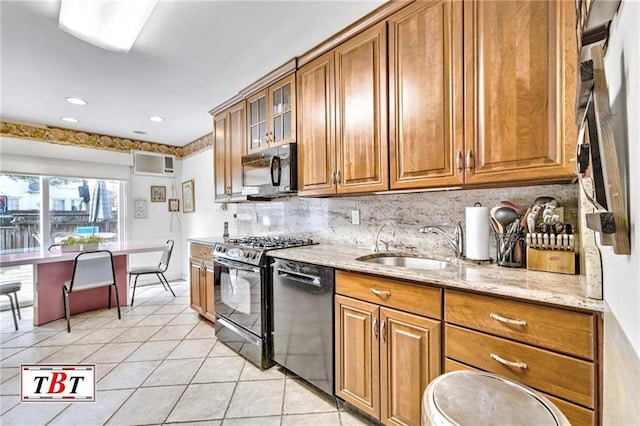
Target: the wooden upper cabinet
(520, 71)
(361, 112)
(229, 140)
(220, 162)
(237, 137)
(316, 127)
(426, 95)
(342, 120)
(271, 119)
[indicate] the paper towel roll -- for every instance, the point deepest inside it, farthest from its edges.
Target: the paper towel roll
(477, 233)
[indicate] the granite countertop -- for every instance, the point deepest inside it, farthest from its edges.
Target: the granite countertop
(546, 287)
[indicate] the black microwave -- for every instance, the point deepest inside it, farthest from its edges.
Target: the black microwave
(270, 173)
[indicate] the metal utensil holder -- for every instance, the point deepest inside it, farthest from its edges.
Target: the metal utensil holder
(511, 250)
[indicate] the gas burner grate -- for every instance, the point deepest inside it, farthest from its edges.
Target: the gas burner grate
(269, 242)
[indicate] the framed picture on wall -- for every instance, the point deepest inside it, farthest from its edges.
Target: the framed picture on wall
(158, 194)
(174, 205)
(140, 208)
(188, 197)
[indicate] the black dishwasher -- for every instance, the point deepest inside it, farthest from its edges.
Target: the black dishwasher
(303, 321)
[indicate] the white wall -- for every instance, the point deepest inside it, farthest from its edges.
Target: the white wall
(621, 274)
(208, 218)
(159, 225)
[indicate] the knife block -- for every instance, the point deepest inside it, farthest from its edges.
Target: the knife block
(561, 261)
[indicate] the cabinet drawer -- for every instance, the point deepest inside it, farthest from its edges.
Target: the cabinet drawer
(201, 251)
(421, 300)
(559, 375)
(577, 416)
(552, 328)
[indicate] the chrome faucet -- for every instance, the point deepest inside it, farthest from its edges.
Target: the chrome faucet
(375, 248)
(455, 240)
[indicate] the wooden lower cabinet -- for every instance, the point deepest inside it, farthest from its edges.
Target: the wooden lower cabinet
(384, 359)
(577, 416)
(358, 354)
(551, 349)
(201, 282)
(409, 360)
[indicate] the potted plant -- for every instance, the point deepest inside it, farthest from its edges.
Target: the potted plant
(81, 243)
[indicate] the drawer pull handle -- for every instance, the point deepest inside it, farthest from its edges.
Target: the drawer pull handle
(507, 320)
(516, 364)
(381, 293)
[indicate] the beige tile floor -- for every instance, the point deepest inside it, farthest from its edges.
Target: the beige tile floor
(159, 364)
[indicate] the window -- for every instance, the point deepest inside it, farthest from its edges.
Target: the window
(73, 203)
(57, 204)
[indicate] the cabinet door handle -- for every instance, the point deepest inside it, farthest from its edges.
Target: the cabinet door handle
(516, 364)
(459, 161)
(381, 293)
(507, 320)
(469, 161)
(374, 328)
(338, 177)
(333, 177)
(383, 330)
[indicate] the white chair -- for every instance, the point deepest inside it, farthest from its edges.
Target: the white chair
(12, 289)
(91, 269)
(158, 270)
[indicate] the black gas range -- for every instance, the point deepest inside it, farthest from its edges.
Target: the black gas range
(243, 294)
(252, 250)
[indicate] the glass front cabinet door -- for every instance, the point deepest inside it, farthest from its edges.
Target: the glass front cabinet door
(271, 118)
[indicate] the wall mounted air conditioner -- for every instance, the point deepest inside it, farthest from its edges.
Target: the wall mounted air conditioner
(149, 164)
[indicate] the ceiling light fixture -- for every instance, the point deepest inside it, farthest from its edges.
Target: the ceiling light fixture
(112, 24)
(75, 101)
(156, 118)
(70, 119)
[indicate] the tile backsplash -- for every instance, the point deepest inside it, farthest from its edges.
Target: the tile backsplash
(328, 220)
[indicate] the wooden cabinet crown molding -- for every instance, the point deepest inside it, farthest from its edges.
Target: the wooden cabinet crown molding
(364, 23)
(275, 75)
(230, 102)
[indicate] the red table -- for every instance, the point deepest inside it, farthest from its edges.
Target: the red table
(52, 269)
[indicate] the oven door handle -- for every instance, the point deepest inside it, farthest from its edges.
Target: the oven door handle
(238, 330)
(300, 277)
(235, 265)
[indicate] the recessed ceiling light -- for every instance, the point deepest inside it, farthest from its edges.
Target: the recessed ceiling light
(69, 119)
(140, 132)
(156, 118)
(76, 101)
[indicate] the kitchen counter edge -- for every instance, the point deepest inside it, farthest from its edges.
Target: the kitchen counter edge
(543, 287)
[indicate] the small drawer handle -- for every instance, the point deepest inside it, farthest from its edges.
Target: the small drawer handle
(381, 293)
(507, 320)
(516, 364)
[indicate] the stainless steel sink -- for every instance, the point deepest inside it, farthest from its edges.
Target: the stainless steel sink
(405, 261)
